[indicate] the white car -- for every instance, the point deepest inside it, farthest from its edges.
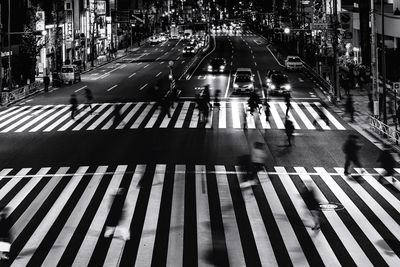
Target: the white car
(293, 63)
(154, 40)
(243, 80)
(163, 37)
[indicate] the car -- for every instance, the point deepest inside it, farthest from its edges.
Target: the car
(216, 65)
(293, 63)
(70, 74)
(163, 37)
(243, 80)
(270, 73)
(279, 84)
(154, 40)
(189, 50)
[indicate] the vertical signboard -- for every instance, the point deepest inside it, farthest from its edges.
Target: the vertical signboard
(346, 23)
(40, 25)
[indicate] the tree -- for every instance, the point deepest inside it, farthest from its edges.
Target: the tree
(31, 44)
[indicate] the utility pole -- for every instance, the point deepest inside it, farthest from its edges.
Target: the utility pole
(374, 82)
(9, 45)
(383, 62)
(335, 52)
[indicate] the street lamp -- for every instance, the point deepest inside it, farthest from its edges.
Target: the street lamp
(286, 30)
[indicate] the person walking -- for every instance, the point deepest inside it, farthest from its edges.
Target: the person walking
(289, 129)
(46, 82)
(206, 96)
(116, 214)
(312, 202)
(89, 99)
(351, 149)
(5, 236)
(117, 114)
(288, 104)
(387, 162)
(322, 116)
(217, 100)
(74, 106)
(349, 107)
(267, 110)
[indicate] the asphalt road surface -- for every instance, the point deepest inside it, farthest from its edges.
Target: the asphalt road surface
(182, 201)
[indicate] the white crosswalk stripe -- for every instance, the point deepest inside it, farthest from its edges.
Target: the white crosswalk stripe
(232, 114)
(71, 206)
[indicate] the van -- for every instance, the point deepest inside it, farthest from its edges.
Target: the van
(243, 80)
(70, 74)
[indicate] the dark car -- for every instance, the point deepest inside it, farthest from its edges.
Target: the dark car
(189, 50)
(279, 84)
(270, 73)
(216, 65)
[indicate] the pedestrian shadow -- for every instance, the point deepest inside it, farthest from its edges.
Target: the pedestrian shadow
(394, 245)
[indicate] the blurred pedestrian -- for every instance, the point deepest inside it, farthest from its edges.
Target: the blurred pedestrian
(116, 214)
(206, 96)
(288, 104)
(46, 82)
(312, 202)
(267, 110)
(244, 119)
(217, 100)
(5, 236)
(351, 149)
(398, 115)
(387, 162)
(322, 116)
(117, 114)
(74, 106)
(166, 106)
(254, 102)
(89, 99)
(349, 107)
(289, 129)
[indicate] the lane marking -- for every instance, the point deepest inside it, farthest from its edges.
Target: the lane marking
(130, 76)
(141, 88)
(83, 87)
(261, 85)
(229, 81)
(159, 74)
(146, 66)
(301, 80)
(178, 58)
(112, 87)
(255, 63)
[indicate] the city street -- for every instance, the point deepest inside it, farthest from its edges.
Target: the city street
(182, 201)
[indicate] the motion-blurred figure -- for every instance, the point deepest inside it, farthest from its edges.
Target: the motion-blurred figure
(289, 129)
(312, 201)
(74, 106)
(5, 236)
(351, 149)
(387, 162)
(116, 214)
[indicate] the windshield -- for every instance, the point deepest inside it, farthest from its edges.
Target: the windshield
(67, 70)
(243, 78)
(217, 62)
(294, 60)
(279, 79)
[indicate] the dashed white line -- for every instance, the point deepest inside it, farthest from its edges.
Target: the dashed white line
(141, 88)
(112, 87)
(255, 63)
(83, 87)
(130, 76)
(301, 80)
(146, 66)
(162, 62)
(183, 61)
(178, 58)
(158, 74)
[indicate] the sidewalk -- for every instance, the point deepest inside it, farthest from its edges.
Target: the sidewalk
(360, 100)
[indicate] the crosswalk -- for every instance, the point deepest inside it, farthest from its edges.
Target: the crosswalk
(146, 115)
(187, 215)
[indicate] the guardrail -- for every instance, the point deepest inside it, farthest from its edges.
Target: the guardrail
(10, 97)
(383, 129)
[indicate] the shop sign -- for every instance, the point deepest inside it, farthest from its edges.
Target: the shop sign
(101, 7)
(40, 26)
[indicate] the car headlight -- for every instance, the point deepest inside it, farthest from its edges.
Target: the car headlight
(209, 67)
(268, 80)
(235, 85)
(272, 86)
(251, 85)
(288, 87)
(192, 51)
(221, 67)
